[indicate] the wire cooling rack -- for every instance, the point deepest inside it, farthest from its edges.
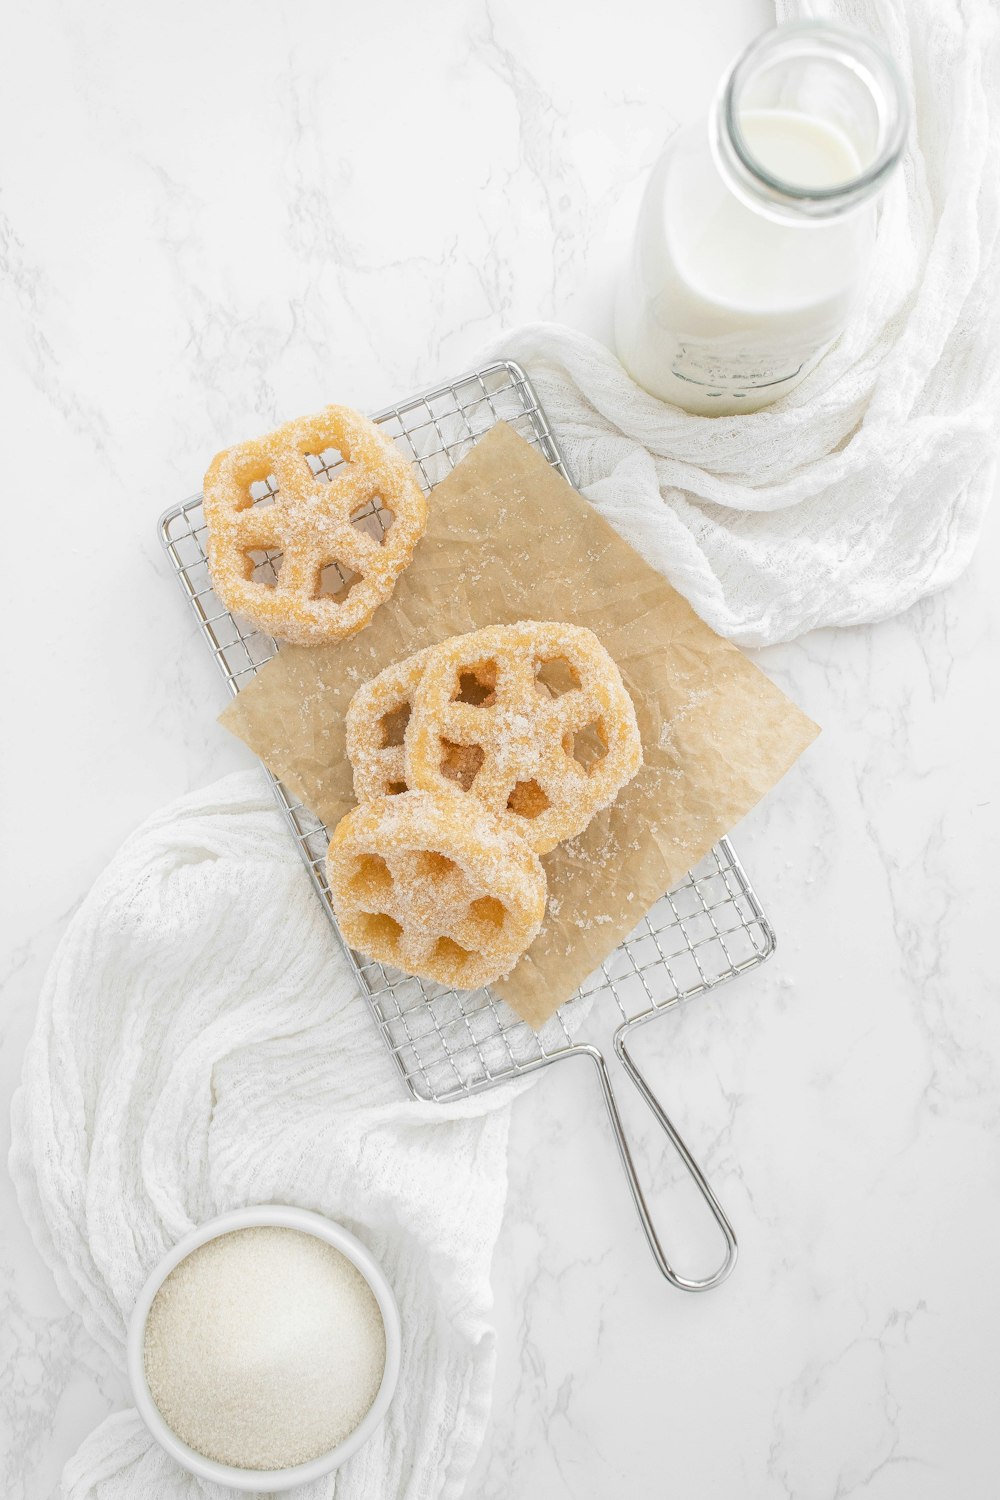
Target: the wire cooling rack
(448, 1043)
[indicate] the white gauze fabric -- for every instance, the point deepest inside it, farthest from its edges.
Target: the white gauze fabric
(201, 1044)
(865, 488)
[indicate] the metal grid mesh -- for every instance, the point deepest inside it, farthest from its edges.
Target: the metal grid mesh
(447, 1043)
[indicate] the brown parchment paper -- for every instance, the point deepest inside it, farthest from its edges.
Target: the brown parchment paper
(508, 539)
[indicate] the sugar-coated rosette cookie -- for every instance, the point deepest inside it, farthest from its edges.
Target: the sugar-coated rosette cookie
(435, 884)
(337, 536)
(536, 716)
(376, 722)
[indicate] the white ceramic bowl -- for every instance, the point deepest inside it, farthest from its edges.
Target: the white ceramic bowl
(251, 1218)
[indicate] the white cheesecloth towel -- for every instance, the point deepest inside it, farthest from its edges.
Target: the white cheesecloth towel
(201, 1044)
(865, 488)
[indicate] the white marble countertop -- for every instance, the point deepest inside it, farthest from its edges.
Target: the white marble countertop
(215, 216)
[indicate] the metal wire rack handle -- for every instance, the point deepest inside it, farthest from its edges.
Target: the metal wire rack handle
(596, 1056)
(684, 1283)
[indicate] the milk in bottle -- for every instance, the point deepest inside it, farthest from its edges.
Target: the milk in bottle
(755, 234)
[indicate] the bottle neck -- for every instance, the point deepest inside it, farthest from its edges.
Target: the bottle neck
(810, 122)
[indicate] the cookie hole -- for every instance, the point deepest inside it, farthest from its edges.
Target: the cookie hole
(528, 800)
(489, 910)
(461, 763)
(379, 935)
(324, 464)
(335, 582)
(263, 568)
(477, 684)
(555, 676)
(263, 491)
(433, 865)
(372, 880)
(446, 950)
(587, 746)
(374, 518)
(392, 725)
(395, 788)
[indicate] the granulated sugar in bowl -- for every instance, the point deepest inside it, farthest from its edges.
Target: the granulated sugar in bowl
(264, 1349)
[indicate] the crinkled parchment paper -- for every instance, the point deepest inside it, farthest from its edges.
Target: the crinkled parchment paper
(508, 539)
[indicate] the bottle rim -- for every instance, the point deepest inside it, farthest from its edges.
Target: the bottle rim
(862, 55)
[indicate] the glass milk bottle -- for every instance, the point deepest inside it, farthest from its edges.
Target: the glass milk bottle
(755, 234)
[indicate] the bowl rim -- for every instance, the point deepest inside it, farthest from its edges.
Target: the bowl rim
(258, 1216)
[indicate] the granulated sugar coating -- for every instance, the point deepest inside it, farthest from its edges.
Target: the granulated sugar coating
(264, 1348)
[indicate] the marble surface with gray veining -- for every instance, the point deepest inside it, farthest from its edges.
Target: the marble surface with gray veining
(214, 216)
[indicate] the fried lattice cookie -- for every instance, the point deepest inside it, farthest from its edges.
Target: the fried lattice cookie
(376, 722)
(434, 884)
(343, 540)
(542, 708)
